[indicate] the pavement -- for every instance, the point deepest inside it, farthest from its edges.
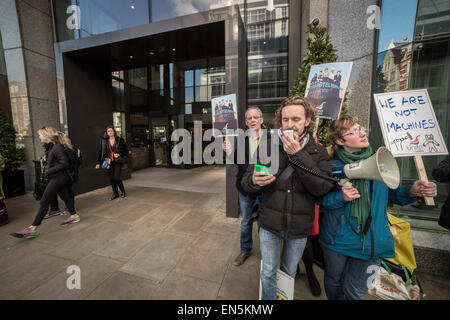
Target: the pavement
(168, 239)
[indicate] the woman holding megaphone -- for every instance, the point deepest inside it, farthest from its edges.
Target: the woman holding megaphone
(354, 232)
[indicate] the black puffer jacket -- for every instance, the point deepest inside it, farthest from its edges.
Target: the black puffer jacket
(57, 161)
(287, 208)
(442, 174)
(104, 151)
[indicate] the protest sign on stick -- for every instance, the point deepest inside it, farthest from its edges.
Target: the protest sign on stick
(410, 127)
(326, 88)
(224, 115)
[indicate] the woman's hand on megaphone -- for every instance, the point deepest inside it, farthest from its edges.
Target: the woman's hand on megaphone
(350, 193)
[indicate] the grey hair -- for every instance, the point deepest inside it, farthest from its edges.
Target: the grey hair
(256, 108)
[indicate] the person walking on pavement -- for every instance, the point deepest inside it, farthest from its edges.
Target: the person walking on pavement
(442, 174)
(354, 231)
(115, 149)
(56, 170)
(54, 205)
(286, 212)
(253, 120)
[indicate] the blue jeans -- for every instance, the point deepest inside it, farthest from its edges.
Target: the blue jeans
(347, 278)
(246, 205)
(270, 248)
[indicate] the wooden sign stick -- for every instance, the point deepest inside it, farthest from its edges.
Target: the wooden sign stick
(429, 201)
(316, 127)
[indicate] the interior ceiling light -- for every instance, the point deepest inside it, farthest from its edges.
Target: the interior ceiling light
(173, 49)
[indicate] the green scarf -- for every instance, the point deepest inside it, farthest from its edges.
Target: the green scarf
(359, 209)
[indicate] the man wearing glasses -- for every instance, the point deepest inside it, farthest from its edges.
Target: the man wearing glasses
(253, 120)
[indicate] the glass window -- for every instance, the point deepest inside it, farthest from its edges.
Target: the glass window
(414, 53)
(166, 9)
(98, 16)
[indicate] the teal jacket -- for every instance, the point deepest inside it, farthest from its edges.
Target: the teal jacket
(336, 233)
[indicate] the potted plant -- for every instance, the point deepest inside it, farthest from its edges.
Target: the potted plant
(12, 158)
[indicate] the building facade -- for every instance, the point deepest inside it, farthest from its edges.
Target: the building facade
(152, 66)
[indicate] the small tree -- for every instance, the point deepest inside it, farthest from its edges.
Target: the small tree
(12, 157)
(319, 50)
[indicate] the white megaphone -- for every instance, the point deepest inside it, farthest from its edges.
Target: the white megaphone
(381, 167)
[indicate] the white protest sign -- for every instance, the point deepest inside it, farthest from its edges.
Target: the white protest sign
(285, 286)
(408, 124)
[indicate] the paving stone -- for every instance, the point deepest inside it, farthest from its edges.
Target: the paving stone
(158, 257)
(124, 286)
(29, 272)
(87, 240)
(128, 242)
(191, 222)
(93, 271)
(239, 285)
(181, 287)
(207, 257)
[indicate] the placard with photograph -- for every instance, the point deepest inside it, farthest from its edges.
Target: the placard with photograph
(224, 115)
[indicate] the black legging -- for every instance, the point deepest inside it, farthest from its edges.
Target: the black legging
(54, 205)
(308, 256)
(58, 185)
(114, 173)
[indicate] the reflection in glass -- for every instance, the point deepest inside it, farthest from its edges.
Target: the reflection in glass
(393, 29)
(433, 19)
(167, 9)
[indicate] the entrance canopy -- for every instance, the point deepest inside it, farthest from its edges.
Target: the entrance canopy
(150, 64)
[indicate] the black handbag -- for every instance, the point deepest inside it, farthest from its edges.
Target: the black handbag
(39, 188)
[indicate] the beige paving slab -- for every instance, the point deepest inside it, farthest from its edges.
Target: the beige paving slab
(29, 272)
(238, 285)
(124, 286)
(137, 212)
(87, 240)
(24, 251)
(168, 214)
(128, 242)
(159, 256)
(223, 225)
(191, 223)
(207, 257)
(181, 287)
(55, 234)
(93, 271)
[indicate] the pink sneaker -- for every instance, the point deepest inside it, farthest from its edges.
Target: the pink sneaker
(70, 220)
(24, 234)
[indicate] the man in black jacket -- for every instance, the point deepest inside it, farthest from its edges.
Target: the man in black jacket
(442, 174)
(253, 120)
(286, 212)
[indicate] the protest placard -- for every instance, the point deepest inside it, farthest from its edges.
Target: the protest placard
(408, 124)
(285, 286)
(326, 88)
(224, 115)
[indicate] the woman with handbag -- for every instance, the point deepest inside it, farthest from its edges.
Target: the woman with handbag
(112, 155)
(56, 171)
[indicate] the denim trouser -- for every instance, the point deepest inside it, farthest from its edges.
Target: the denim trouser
(246, 205)
(346, 278)
(270, 248)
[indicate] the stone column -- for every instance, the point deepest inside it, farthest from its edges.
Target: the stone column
(27, 33)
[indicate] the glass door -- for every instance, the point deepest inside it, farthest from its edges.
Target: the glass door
(160, 145)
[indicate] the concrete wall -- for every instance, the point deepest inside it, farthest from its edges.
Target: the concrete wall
(27, 33)
(347, 22)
